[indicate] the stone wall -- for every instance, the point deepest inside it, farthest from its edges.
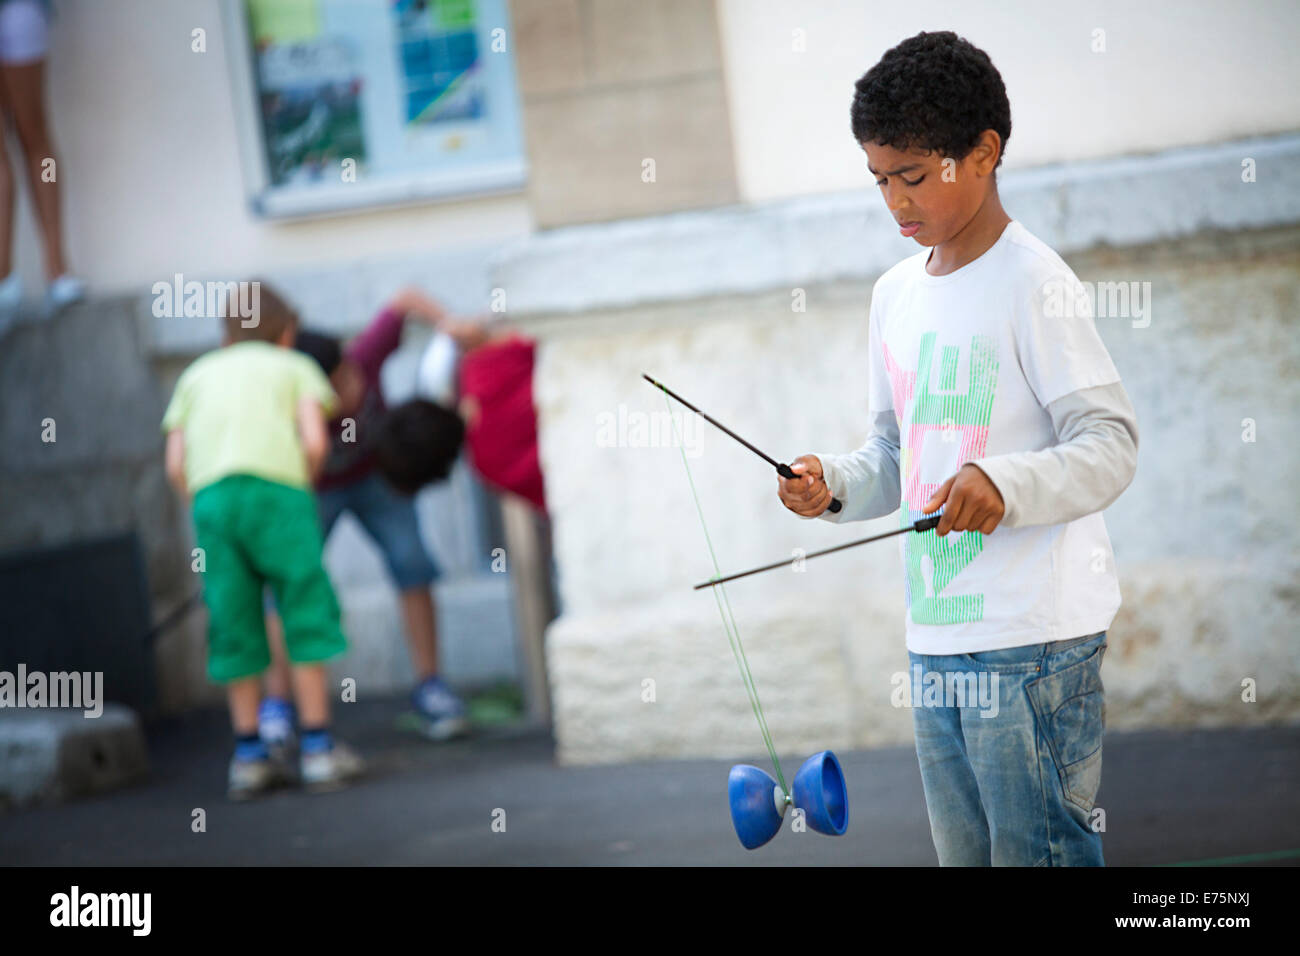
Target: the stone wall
(610, 84)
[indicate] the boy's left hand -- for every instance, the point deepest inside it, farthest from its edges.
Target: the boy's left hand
(974, 502)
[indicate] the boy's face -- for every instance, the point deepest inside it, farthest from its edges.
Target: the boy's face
(939, 193)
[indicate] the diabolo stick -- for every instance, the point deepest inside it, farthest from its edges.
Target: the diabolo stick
(781, 469)
(925, 524)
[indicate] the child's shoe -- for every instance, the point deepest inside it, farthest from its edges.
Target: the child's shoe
(332, 769)
(442, 714)
(252, 777)
(62, 292)
(11, 297)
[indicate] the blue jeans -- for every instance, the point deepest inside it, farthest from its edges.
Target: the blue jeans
(390, 519)
(1013, 784)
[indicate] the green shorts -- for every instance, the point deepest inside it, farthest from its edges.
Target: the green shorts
(255, 533)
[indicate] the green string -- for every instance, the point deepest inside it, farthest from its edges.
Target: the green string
(729, 618)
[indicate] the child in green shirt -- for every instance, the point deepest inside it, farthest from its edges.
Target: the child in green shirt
(245, 435)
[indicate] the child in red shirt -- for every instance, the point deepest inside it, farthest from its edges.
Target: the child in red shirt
(493, 393)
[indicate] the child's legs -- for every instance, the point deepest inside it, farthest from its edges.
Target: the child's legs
(957, 824)
(277, 675)
(421, 630)
(232, 588)
(7, 193)
(305, 684)
(392, 522)
(330, 504)
(311, 692)
(1070, 703)
(1001, 738)
(288, 549)
(1048, 716)
(24, 85)
(244, 696)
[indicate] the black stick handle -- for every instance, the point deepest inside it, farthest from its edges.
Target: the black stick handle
(782, 470)
(925, 524)
(785, 472)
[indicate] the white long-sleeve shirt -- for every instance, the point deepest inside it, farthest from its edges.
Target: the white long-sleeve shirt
(1093, 462)
(985, 365)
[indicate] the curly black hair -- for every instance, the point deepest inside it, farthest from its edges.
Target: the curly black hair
(417, 444)
(934, 91)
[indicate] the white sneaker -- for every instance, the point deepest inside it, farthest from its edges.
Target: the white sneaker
(11, 297)
(63, 291)
(252, 778)
(11, 291)
(331, 770)
(442, 714)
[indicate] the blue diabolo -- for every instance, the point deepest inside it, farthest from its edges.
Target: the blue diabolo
(758, 804)
(819, 791)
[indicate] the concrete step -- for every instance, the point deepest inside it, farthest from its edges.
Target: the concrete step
(52, 754)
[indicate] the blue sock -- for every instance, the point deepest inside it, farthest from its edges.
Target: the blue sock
(316, 740)
(250, 748)
(278, 705)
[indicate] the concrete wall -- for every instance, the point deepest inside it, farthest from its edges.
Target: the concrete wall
(90, 371)
(1172, 74)
(716, 93)
(1201, 538)
(610, 85)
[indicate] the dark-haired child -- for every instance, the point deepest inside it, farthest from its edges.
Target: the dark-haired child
(487, 375)
(990, 400)
(350, 480)
(245, 431)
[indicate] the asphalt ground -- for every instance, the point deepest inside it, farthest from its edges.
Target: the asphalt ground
(1214, 797)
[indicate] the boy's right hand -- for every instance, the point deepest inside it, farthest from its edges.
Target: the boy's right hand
(808, 494)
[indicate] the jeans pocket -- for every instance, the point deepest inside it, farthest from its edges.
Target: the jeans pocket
(1022, 659)
(1057, 646)
(1070, 705)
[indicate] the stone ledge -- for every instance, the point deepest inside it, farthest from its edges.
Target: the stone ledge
(849, 236)
(54, 754)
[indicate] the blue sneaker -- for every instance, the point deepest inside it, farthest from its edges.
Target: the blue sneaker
(442, 713)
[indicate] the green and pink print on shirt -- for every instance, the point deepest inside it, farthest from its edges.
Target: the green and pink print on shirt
(969, 362)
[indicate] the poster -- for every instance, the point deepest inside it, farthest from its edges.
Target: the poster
(441, 70)
(410, 96)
